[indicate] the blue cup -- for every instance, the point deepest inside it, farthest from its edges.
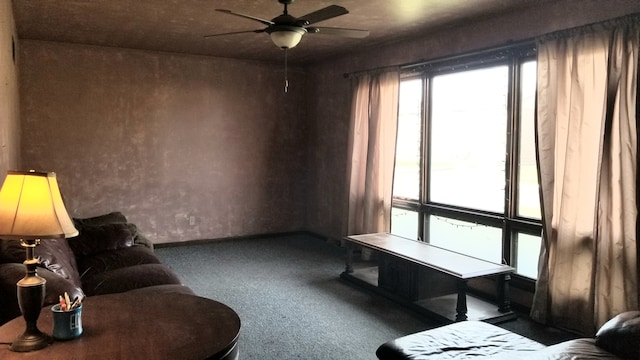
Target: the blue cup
(66, 324)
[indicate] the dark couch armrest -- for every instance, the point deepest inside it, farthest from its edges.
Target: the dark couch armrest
(140, 239)
(11, 273)
(621, 335)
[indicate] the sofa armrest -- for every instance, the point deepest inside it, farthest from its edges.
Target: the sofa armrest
(621, 335)
(140, 239)
(11, 273)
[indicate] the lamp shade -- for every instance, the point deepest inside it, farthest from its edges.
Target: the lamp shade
(31, 207)
(287, 37)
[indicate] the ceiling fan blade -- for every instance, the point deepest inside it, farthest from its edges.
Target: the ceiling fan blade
(266, 22)
(235, 32)
(327, 13)
(350, 33)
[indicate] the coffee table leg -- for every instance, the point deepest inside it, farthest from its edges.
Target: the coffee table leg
(349, 263)
(461, 306)
(504, 303)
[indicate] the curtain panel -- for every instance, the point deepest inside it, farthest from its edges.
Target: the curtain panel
(372, 143)
(586, 136)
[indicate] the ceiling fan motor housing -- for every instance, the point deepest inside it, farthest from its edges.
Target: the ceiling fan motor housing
(286, 31)
(285, 36)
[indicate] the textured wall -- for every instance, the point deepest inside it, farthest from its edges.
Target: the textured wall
(9, 109)
(330, 113)
(163, 137)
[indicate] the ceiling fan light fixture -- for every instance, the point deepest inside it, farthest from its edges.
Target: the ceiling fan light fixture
(287, 37)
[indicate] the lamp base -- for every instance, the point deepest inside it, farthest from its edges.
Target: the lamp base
(31, 291)
(30, 341)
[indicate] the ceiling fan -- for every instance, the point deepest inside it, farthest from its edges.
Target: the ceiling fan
(286, 31)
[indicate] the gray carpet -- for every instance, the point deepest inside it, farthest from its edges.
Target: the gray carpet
(289, 297)
(293, 304)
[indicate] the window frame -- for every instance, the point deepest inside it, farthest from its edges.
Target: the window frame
(509, 221)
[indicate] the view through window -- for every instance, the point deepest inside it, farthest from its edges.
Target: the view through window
(465, 177)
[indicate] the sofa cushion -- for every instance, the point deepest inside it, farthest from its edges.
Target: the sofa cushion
(460, 340)
(111, 260)
(621, 335)
(129, 278)
(167, 289)
(576, 349)
(94, 239)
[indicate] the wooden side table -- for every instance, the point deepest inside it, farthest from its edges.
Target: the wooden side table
(139, 325)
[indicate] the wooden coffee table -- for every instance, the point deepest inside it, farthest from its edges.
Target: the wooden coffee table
(448, 263)
(139, 325)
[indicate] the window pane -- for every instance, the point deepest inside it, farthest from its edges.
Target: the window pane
(468, 138)
(527, 254)
(406, 181)
(404, 223)
(528, 198)
(471, 239)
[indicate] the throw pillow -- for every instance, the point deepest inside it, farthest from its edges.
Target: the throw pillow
(94, 239)
(112, 217)
(621, 335)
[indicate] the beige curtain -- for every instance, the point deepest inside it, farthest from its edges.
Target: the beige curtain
(587, 151)
(372, 144)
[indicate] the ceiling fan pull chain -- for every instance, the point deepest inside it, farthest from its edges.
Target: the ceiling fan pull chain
(286, 79)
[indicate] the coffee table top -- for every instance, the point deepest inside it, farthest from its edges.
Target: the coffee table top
(449, 262)
(138, 325)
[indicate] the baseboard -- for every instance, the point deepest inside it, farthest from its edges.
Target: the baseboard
(243, 237)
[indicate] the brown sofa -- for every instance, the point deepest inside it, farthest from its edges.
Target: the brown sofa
(108, 256)
(619, 338)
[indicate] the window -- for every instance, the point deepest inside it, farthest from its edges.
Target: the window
(465, 177)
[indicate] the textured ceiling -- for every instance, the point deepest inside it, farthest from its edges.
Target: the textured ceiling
(179, 25)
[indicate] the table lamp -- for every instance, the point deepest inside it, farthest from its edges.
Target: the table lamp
(31, 208)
